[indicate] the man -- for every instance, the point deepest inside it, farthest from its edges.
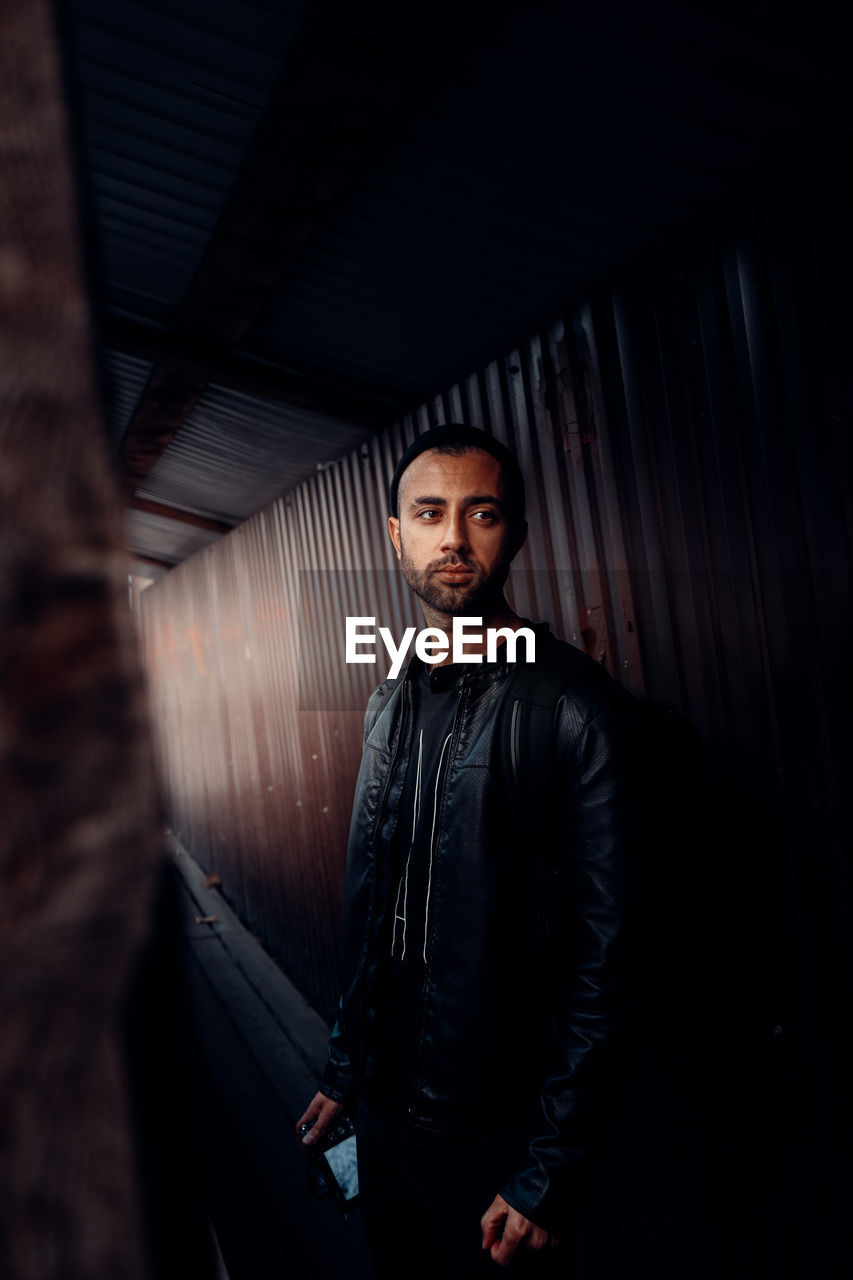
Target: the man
(484, 1002)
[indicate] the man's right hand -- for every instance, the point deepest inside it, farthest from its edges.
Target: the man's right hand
(322, 1113)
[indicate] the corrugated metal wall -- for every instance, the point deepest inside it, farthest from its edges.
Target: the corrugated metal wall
(686, 441)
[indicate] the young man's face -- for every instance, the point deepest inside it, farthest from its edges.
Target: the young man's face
(452, 536)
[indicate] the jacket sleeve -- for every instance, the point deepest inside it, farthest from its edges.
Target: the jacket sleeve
(337, 1080)
(592, 871)
(337, 1075)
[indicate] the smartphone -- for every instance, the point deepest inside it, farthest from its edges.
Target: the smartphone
(334, 1170)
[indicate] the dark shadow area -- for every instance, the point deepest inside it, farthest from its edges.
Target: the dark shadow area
(167, 1105)
(255, 1051)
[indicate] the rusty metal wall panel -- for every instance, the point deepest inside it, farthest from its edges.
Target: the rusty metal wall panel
(259, 784)
(686, 442)
(678, 511)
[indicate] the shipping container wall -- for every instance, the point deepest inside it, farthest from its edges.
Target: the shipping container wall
(686, 443)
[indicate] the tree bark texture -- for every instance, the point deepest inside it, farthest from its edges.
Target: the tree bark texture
(79, 843)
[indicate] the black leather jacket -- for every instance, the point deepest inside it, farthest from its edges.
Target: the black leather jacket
(524, 1012)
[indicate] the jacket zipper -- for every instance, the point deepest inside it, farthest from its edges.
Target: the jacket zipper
(513, 740)
(447, 742)
(460, 707)
(403, 886)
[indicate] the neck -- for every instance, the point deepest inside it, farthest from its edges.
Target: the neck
(493, 616)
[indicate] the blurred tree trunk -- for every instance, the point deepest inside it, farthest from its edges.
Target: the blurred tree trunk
(79, 845)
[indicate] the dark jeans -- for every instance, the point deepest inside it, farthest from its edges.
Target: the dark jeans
(422, 1198)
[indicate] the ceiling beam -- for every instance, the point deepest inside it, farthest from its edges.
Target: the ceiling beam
(371, 409)
(175, 513)
(169, 397)
(160, 564)
(339, 81)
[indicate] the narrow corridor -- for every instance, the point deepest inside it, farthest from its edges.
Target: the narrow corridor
(258, 1049)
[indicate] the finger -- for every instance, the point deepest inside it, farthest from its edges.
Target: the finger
(491, 1223)
(538, 1239)
(320, 1113)
(308, 1118)
(492, 1230)
(314, 1134)
(318, 1129)
(494, 1213)
(505, 1249)
(328, 1115)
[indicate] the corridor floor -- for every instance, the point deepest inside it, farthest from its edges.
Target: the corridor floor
(258, 1049)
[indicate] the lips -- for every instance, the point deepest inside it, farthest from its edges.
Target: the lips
(455, 575)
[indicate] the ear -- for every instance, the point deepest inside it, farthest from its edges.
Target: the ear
(519, 537)
(394, 532)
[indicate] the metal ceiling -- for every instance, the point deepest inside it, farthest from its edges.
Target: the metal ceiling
(170, 95)
(165, 541)
(514, 165)
(125, 379)
(237, 453)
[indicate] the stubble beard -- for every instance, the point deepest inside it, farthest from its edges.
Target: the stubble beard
(478, 597)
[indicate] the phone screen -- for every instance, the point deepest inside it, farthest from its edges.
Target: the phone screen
(342, 1162)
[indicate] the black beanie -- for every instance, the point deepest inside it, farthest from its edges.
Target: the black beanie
(457, 433)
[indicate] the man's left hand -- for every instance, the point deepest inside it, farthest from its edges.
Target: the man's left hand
(505, 1230)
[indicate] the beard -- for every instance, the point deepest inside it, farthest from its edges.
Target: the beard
(471, 598)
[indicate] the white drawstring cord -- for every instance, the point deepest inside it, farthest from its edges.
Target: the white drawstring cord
(432, 837)
(403, 886)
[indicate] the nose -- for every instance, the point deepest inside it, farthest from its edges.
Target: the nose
(454, 532)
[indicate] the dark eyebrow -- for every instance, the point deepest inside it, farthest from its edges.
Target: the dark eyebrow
(471, 500)
(428, 502)
(475, 499)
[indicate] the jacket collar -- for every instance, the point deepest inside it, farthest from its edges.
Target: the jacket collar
(456, 675)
